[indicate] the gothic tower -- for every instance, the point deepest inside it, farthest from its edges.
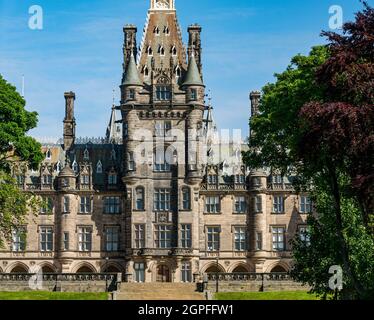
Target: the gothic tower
(162, 105)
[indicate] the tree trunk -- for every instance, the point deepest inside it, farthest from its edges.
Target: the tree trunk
(339, 221)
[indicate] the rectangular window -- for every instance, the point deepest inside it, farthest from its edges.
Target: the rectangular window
(240, 238)
(240, 205)
(213, 238)
(258, 241)
(161, 163)
(66, 241)
(277, 179)
(85, 204)
(85, 180)
(66, 205)
(239, 179)
(304, 234)
(112, 239)
(162, 200)
(112, 205)
(305, 205)
(139, 236)
(186, 236)
(46, 239)
(186, 199)
(278, 204)
(19, 240)
(212, 205)
(131, 94)
(212, 179)
(139, 198)
(85, 239)
(47, 206)
(278, 238)
(186, 272)
(131, 162)
(112, 179)
(139, 271)
(193, 94)
(47, 179)
(163, 93)
(163, 236)
(20, 179)
(257, 204)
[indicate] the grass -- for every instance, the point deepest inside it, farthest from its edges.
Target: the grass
(44, 295)
(282, 295)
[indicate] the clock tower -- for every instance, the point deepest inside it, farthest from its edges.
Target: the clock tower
(162, 5)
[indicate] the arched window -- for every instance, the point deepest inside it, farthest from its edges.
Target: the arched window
(161, 51)
(167, 30)
(149, 51)
(178, 72)
(146, 71)
(139, 198)
(174, 51)
(157, 30)
(48, 155)
(186, 195)
(99, 167)
(113, 155)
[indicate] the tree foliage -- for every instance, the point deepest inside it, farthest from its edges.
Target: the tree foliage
(15, 145)
(317, 121)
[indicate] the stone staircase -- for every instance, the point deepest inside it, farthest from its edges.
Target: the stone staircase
(159, 291)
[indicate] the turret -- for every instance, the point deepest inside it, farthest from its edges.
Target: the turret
(131, 83)
(193, 83)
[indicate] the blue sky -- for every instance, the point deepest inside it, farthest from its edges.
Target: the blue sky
(80, 49)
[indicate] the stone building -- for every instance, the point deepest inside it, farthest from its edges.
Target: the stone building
(159, 198)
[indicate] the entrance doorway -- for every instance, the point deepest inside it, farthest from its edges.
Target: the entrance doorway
(163, 274)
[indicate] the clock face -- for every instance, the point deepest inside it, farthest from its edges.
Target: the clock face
(162, 4)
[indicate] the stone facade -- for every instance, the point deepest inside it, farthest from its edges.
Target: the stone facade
(116, 208)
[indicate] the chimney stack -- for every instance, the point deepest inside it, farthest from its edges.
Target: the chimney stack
(69, 121)
(255, 97)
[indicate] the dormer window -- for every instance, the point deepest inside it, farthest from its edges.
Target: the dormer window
(86, 155)
(99, 167)
(113, 155)
(146, 71)
(112, 178)
(58, 167)
(161, 51)
(85, 179)
(47, 179)
(149, 51)
(174, 51)
(48, 155)
(75, 167)
(178, 72)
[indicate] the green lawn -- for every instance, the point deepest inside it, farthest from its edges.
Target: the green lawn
(42, 295)
(282, 295)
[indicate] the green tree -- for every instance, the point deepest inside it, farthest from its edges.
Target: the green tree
(15, 146)
(310, 127)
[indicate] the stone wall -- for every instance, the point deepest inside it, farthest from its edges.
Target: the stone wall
(58, 282)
